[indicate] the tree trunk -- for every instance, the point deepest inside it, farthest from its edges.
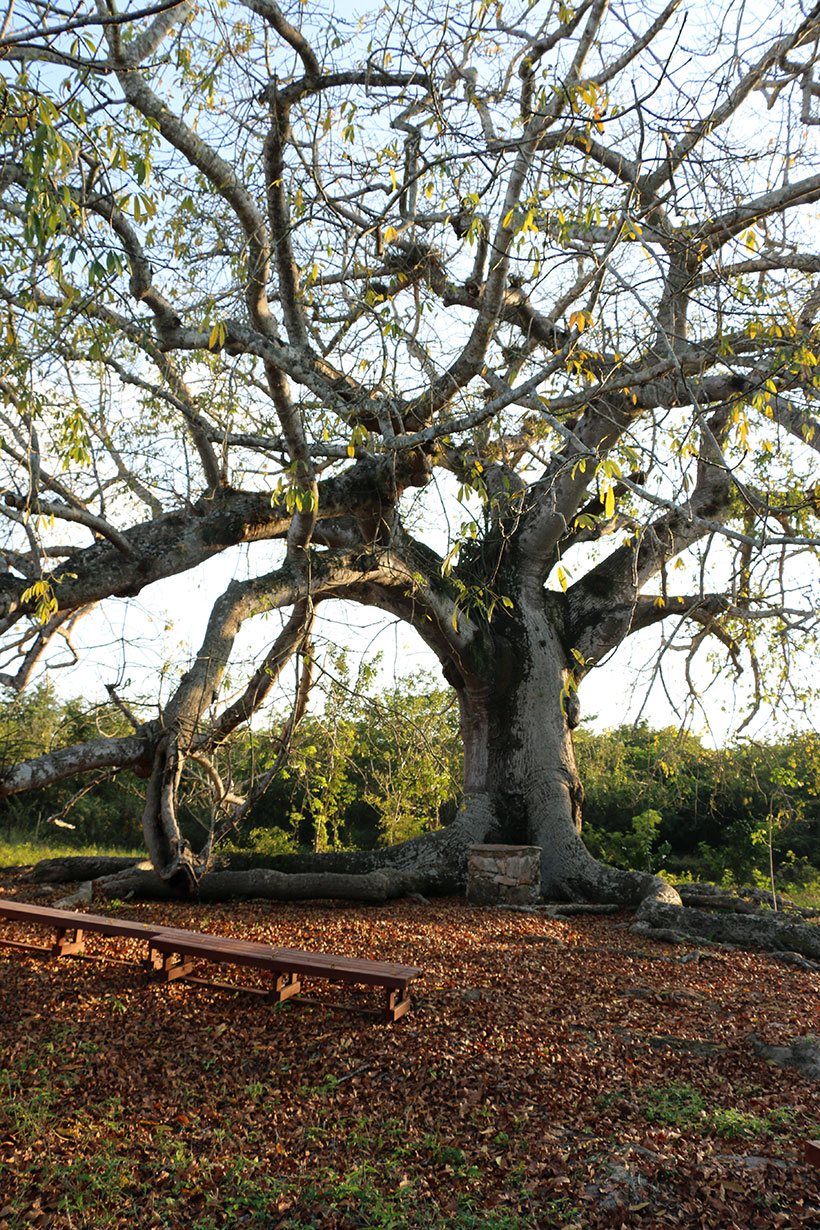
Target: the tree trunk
(517, 724)
(170, 854)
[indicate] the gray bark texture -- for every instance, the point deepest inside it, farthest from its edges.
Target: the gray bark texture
(74, 868)
(768, 933)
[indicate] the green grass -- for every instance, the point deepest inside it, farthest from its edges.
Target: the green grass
(18, 850)
(683, 1106)
(806, 893)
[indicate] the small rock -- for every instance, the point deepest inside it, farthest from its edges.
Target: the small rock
(801, 1053)
(619, 1186)
(739, 1161)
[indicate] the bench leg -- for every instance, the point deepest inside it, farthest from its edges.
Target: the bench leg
(284, 985)
(169, 966)
(67, 942)
(153, 962)
(398, 1002)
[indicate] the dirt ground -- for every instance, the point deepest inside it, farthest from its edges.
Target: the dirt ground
(551, 1073)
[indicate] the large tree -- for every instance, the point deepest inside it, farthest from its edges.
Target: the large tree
(278, 278)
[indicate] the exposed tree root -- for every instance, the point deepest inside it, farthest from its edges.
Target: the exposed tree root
(370, 887)
(432, 864)
(769, 933)
(78, 868)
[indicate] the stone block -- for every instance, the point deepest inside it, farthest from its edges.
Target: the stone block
(504, 875)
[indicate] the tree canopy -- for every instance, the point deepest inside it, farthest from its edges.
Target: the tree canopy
(502, 318)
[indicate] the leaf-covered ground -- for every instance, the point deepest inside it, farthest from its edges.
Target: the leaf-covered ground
(551, 1073)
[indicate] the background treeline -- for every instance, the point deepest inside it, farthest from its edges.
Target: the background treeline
(375, 769)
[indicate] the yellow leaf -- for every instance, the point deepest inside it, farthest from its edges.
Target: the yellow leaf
(609, 502)
(390, 234)
(561, 577)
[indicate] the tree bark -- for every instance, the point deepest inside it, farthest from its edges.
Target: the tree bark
(78, 868)
(515, 680)
(771, 932)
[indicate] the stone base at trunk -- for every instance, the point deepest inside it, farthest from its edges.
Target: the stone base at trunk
(504, 875)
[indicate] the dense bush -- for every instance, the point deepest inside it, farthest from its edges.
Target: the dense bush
(719, 808)
(375, 769)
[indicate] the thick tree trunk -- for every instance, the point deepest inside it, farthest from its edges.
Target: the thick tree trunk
(170, 854)
(517, 725)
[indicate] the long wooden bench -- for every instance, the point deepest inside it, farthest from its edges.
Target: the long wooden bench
(172, 953)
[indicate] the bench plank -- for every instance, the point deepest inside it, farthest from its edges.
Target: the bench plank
(169, 951)
(68, 920)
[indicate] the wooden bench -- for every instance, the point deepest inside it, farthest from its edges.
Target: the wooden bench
(173, 951)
